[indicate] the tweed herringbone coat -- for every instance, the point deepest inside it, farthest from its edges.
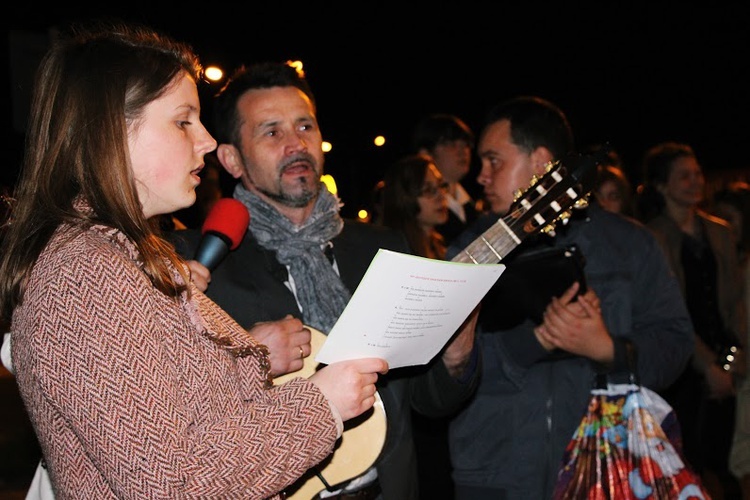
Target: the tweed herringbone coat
(250, 285)
(129, 396)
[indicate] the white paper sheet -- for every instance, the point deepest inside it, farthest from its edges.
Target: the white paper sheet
(406, 308)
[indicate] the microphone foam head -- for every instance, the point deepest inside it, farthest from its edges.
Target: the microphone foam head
(228, 217)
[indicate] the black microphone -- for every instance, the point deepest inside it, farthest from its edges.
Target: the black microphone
(223, 230)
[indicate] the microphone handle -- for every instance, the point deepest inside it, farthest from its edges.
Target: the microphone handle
(212, 249)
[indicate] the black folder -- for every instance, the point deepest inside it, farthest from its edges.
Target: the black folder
(528, 284)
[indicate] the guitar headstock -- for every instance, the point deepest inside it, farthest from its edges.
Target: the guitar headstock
(550, 199)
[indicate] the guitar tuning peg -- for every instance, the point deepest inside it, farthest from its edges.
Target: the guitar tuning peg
(581, 203)
(517, 194)
(549, 166)
(534, 180)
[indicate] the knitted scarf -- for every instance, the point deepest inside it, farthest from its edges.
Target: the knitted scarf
(320, 291)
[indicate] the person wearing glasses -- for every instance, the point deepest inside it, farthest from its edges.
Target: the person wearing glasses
(449, 141)
(415, 202)
(414, 197)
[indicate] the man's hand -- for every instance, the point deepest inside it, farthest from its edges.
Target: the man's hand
(576, 326)
(456, 355)
(288, 343)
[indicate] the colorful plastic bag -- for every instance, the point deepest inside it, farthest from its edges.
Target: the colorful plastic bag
(627, 446)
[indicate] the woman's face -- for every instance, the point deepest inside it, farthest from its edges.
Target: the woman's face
(609, 197)
(686, 184)
(167, 145)
(433, 205)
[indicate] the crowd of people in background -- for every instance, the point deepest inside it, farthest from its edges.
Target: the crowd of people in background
(667, 274)
(416, 197)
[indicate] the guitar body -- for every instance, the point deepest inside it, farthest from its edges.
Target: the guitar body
(356, 450)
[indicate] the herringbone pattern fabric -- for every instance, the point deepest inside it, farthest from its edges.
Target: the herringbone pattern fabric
(129, 396)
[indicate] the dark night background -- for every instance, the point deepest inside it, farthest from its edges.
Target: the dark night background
(630, 75)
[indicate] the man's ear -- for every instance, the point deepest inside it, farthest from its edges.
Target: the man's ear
(540, 157)
(230, 159)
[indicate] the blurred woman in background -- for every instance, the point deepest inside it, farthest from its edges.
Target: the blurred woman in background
(702, 251)
(414, 201)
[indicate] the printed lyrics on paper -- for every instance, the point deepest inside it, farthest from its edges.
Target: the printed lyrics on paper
(407, 308)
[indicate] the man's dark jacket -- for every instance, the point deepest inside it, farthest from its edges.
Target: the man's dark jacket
(511, 437)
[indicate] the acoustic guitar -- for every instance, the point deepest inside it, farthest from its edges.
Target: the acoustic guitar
(356, 450)
(548, 200)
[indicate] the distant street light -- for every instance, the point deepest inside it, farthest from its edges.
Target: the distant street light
(214, 73)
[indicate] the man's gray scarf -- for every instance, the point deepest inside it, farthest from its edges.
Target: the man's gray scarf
(320, 290)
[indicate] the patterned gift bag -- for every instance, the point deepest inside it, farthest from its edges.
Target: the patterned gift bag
(627, 446)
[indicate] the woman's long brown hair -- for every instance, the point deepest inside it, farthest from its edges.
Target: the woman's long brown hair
(90, 87)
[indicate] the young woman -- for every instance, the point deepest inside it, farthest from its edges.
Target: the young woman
(612, 190)
(702, 252)
(415, 202)
(136, 384)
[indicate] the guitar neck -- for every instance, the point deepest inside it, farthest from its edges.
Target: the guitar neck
(491, 247)
(548, 200)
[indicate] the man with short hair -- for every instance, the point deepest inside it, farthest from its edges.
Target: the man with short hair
(508, 442)
(300, 258)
